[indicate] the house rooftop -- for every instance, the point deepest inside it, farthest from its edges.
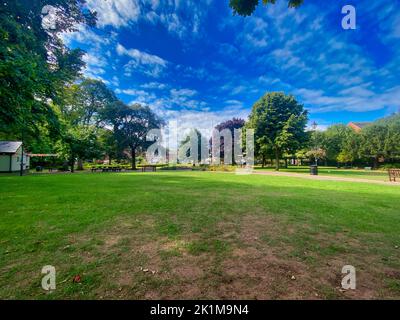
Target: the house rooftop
(357, 126)
(9, 146)
(361, 124)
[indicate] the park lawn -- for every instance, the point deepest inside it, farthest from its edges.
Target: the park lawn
(197, 235)
(379, 175)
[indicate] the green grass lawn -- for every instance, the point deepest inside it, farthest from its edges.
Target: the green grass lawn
(379, 175)
(197, 235)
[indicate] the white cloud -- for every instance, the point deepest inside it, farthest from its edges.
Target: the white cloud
(116, 13)
(140, 56)
(154, 85)
(115, 81)
(97, 58)
(143, 62)
(199, 73)
(273, 44)
(85, 35)
(178, 17)
(204, 121)
(94, 60)
(254, 35)
(234, 103)
(357, 99)
(182, 98)
(179, 93)
(93, 74)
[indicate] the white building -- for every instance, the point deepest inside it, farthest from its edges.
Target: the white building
(10, 156)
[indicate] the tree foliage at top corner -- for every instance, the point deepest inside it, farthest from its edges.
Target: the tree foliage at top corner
(34, 62)
(247, 7)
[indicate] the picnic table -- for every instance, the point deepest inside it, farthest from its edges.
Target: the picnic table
(107, 168)
(393, 174)
(152, 168)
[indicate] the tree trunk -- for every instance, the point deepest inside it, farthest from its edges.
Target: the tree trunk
(263, 161)
(133, 155)
(286, 162)
(277, 160)
(72, 163)
(80, 164)
(376, 162)
(109, 159)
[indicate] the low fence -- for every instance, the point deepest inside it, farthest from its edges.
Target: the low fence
(394, 174)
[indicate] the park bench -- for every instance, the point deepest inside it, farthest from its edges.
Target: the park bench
(151, 167)
(107, 168)
(111, 168)
(393, 174)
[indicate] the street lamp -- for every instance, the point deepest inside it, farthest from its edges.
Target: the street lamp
(314, 126)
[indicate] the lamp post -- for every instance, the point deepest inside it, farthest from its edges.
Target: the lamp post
(314, 126)
(21, 171)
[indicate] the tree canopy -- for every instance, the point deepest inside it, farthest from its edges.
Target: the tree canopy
(231, 125)
(81, 111)
(381, 139)
(247, 7)
(279, 122)
(131, 125)
(193, 148)
(34, 63)
(377, 142)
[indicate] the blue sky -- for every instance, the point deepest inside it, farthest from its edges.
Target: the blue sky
(194, 62)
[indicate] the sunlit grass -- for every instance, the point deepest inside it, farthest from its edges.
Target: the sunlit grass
(104, 225)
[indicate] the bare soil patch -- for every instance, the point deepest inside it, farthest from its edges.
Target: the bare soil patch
(159, 267)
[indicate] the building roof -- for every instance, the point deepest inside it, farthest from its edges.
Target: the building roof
(361, 124)
(9, 146)
(357, 126)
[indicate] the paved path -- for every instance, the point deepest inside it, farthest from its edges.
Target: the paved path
(322, 177)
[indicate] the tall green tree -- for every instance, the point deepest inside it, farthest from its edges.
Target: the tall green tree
(279, 121)
(88, 101)
(381, 140)
(196, 149)
(247, 7)
(350, 148)
(82, 108)
(231, 125)
(109, 143)
(334, 139)
(131, 124)
(34, 63)
(79, 142)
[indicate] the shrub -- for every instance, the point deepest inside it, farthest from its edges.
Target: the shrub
(390, 166)
(176, 167)
(221, 168)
